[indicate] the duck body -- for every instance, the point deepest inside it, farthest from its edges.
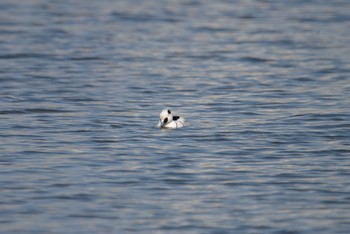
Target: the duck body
(167, 120)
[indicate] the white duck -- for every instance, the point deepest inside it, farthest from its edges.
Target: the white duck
(167, 120)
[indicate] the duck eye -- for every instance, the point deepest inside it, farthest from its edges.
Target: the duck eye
(165, 120)
(169, 112)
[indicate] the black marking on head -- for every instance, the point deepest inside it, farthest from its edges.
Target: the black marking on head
(176, 117)
(165, 120)
(169, 112)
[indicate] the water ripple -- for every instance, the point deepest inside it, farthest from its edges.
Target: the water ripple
(263, 86)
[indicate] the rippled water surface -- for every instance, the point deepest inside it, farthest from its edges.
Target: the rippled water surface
(264, 87)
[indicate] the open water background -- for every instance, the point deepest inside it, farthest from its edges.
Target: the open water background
(264, 86)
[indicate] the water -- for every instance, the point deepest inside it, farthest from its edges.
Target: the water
(264, 87)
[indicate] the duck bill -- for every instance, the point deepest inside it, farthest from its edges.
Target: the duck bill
(160, 124)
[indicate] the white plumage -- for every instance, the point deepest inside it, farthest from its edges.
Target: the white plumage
(167, 120)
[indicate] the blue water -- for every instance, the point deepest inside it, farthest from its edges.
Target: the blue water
(264, 87)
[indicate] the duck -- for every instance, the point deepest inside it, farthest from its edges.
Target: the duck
(167, 120)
